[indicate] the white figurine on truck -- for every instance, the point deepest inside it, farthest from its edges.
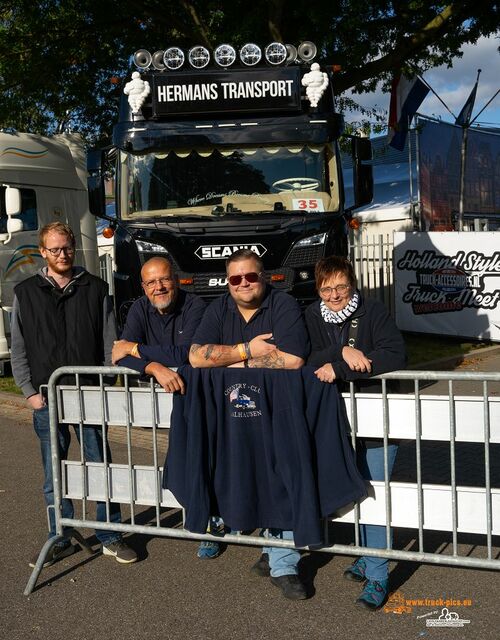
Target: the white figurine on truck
(42, 180)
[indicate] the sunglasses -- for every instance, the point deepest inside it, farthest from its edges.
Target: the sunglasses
(249, 277)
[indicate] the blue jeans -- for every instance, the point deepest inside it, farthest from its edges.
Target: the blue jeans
(282, 562)
(371, 465)
(93, 452)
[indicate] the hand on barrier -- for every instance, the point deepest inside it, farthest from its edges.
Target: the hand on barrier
(259, 347)
(325, 373)
(121, 348)
(356, 360)
(170, 380)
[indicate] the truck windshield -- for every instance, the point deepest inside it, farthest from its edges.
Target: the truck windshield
(196, 181)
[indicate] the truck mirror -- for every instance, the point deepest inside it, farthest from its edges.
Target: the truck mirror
(95, 182)
(12, 201)
(362, 171)
(14, 225)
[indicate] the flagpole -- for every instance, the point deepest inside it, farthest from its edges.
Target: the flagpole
(464, 119)
(463, 155)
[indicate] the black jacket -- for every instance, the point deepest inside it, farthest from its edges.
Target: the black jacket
(377, 337)
(62, 327)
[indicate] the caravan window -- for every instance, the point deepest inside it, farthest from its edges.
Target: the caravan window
(28, 210)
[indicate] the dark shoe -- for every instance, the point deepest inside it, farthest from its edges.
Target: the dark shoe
(58, 552)
(261, 567)
(356, 572)
(120, 551)
(208, 550)
(291, 587)
(373, 595)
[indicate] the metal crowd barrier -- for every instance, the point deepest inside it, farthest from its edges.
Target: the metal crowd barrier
(417, 417)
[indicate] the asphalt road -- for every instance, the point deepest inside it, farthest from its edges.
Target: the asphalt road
(170, 594)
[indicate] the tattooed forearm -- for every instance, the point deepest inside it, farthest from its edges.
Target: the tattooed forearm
(273, 360)
(213, 355)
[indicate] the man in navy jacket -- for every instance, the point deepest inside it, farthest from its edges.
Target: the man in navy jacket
(159, 326)
(257, 326)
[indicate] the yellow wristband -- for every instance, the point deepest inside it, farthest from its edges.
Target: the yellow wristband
(135, 350)
(241, 349)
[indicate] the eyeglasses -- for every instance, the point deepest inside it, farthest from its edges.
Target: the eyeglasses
(163, 282)
(55, 251)
(249, 277)
(341, 289)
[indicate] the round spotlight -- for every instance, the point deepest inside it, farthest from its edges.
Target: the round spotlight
(291, 53)
(142, 59)
(224, 55)
(276, 53)
(198, 57)
(158, 63)
(173, 58)
(250, 54)
(307, 50)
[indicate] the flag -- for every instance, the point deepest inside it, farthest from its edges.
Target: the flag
(463, 118)
(407, 94)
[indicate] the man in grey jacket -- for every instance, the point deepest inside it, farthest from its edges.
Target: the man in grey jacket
(63, 316)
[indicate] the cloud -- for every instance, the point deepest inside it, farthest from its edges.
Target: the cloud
(454, 85)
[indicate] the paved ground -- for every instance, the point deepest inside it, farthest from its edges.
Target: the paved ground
(170, 594)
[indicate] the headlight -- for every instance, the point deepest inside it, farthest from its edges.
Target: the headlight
(224, 55)
(173, 58)
(250, 54)
(312, 240)
(150, 247)
(276, 53)
(198, 57)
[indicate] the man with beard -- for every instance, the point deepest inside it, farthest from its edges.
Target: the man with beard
(159, 327)
(63, 316)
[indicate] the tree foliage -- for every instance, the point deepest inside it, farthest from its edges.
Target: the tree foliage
(63, 60)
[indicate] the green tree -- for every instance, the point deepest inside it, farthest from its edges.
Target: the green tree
(65, 59)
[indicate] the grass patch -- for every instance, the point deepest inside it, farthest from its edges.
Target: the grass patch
(7, 384)
(423, 348)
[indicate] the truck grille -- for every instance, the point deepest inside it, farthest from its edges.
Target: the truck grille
(212, 284)
(302, 256)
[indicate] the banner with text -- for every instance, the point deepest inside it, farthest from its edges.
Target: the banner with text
(448, 283)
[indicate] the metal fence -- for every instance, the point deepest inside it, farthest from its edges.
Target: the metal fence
(454, 503)
(106, 271)
(372, 260)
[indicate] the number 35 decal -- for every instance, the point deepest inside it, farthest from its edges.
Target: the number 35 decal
(308, 204)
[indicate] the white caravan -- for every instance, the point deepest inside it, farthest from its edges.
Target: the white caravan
(42, 180)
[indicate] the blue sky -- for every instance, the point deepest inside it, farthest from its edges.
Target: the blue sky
(454, 85)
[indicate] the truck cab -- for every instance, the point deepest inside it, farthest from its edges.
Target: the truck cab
(213, 159)
(42, 180)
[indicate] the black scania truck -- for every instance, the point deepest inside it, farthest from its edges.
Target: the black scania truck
(213, 153)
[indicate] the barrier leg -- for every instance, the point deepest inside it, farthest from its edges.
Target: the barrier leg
(39, 563)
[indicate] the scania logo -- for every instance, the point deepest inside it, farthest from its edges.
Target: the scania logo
(218, 251)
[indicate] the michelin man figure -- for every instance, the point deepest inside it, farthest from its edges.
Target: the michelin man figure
(316, 82)
(137, 91)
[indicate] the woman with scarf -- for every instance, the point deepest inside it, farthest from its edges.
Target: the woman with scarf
(352, 339)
